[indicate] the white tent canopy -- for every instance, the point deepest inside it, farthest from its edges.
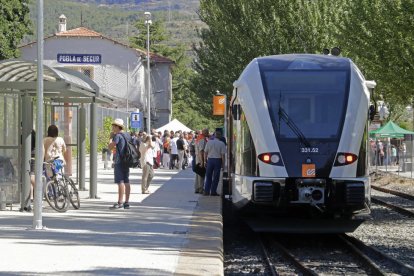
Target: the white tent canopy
(174, 125)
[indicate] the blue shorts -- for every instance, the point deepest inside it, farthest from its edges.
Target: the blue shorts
(121, 173)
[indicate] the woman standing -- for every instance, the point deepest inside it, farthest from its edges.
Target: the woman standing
(53, 146)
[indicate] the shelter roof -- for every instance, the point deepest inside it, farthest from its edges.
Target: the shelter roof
(392, 130)
(60, 84)
(85, 32)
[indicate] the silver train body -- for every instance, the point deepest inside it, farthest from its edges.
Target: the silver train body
(298, 136)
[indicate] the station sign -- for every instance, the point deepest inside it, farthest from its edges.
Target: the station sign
(79, 58)
(136, 120)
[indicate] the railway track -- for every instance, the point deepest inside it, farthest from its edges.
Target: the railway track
(364, 259)
(298, 266)
(393, 192)
(395, 207)
(398, 266)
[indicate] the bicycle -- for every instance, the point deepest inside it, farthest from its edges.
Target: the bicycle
(60, 189)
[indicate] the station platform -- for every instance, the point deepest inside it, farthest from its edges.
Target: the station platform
(171, 231)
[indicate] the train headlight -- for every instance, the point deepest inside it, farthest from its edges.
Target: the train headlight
(341, 159)
(345, 158)
(275, 158)
(271, 158)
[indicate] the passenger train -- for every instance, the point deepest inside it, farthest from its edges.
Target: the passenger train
(298, 128)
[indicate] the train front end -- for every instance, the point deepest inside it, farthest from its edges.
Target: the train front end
(299, 137)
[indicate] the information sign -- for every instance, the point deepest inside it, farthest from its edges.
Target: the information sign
(135, 120)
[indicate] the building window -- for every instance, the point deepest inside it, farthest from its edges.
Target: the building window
(86, 70)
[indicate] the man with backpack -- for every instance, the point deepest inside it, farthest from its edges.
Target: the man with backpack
(121, 169)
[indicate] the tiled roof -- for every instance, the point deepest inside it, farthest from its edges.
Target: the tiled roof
(85, 32)
(156, 58)
(81, 31)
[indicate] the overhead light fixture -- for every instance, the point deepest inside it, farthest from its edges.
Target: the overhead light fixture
(336, 51)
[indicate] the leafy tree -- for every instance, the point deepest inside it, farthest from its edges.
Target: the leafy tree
(103, 134)
(378, 35)
(241, 30)
(14, 24)
(185, 102)
(157, 36)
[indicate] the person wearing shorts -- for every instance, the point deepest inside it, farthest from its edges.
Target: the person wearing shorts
(121, 171)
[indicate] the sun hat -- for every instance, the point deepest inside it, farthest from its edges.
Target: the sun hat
(118, 122)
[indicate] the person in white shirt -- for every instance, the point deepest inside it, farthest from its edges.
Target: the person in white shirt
(214, 153)
(53, 146)
(147, 162)
(174, 152)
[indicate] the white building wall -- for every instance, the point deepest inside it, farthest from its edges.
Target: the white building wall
(121, 73)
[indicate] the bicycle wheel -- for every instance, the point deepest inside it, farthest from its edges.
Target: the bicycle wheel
(73, 192)
(55, 194)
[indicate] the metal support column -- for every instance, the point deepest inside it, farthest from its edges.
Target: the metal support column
(38, 193)
(5, 125)
(93, 156)
(82, 146)
(27, 125)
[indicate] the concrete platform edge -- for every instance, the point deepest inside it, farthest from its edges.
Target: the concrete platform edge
(204, 249)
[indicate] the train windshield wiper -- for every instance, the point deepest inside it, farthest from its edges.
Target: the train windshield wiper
(285, 117)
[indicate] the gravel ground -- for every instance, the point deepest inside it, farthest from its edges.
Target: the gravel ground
(242, 253)
(393, 181)
(387, 230)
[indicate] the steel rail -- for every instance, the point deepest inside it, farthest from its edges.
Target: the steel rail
(266, 256)
(396, 208)
(375, 269)
(289, 256)
(393, 192)
(404, 269)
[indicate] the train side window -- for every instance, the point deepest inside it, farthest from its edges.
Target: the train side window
(236, 112)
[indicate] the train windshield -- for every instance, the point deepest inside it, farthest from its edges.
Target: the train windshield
(314, 102)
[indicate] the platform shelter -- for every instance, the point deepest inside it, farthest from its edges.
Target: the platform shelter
(63, 89)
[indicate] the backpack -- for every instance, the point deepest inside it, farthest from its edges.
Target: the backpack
(192, 147)
(130, 157)
(180, 144)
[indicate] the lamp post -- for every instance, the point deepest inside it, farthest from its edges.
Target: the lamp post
(148, 22)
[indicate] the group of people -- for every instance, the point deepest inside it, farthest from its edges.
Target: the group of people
(172, 150)
(169, 150)
(209, 153)
(387, 152)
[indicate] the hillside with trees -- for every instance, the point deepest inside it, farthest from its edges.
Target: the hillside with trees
(150, 5)
(117, 20)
